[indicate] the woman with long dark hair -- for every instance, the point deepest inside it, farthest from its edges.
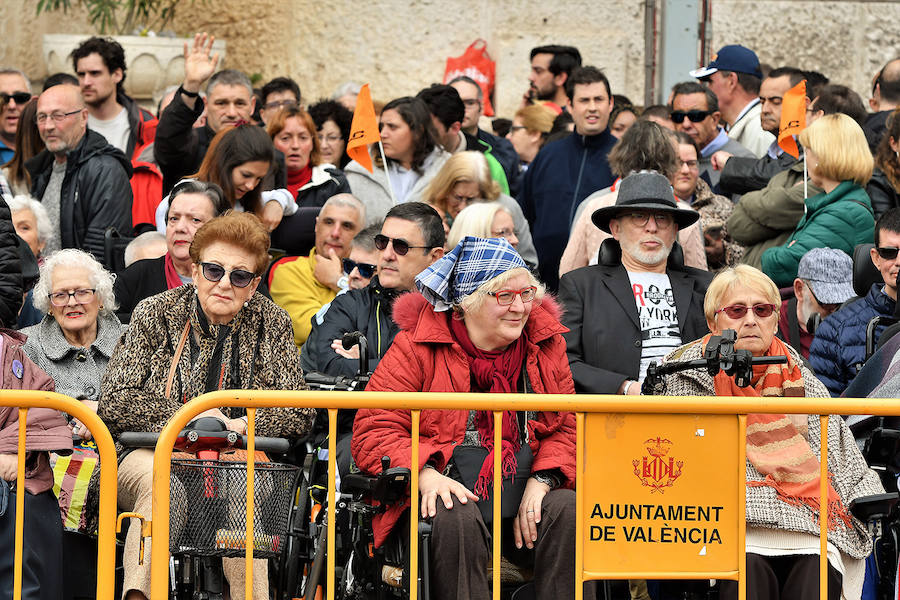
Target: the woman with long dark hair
(885, 183)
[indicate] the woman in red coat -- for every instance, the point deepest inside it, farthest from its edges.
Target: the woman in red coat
(481, 324)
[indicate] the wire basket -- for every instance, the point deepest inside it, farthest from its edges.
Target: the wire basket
(209, 507)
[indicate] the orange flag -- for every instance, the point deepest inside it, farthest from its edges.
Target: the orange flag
(793, 118)
(363, 130)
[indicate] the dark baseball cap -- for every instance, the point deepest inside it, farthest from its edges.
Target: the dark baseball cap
(731, 58)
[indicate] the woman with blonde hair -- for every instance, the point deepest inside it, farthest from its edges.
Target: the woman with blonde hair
(841, 217)
(484, 220)
(529, 131)
(466, 178)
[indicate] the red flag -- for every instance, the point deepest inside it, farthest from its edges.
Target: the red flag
(793, 118)
(363, 130)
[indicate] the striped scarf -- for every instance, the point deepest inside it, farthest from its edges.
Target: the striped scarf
(775, 445)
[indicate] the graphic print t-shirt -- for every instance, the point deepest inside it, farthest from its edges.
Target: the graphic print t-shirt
(657, 315)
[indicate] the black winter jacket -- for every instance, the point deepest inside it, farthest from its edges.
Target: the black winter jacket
(140, 280)
(368, 311)
(325, 183)
(96, 192)
(838, 350)
(882, 194)
(10, 269)
(744, 174)
(179, 147)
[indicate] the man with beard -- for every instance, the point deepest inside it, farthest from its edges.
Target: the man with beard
(640, 301)
(824, 282)
(742, 174)
(15, 92)
(551, 67)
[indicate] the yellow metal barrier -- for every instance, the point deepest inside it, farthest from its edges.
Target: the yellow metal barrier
(106, 540)
(416, 402)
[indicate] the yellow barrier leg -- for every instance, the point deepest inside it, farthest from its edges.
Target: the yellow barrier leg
(251, 466)
(742, 509)
(823, 509)
(414, 507)
(579, 506)
(498, 485)
(20, 505)
(332, 500)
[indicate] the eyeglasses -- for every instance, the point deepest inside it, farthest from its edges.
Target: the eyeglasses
(507, 297)
(330, 139)
(366, 270)
(82, 296)
(57, 117)
(280, 104)
(691, 164)
(472, 102)
(640, 219)
(239, 277)
(516, 128)
(695, 116)
(504, 233)
(464, 200)
(737, 311)
(17, 97)
(888, 252)
(401, 246)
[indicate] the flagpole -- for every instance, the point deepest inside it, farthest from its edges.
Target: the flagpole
(805, 183)
(387, 173)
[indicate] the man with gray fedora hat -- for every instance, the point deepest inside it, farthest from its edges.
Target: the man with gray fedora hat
(640, 301)
(824, 282)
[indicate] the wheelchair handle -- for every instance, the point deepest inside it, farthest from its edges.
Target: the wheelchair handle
(135, 439)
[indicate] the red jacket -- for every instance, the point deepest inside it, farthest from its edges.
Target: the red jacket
(425, 358)
(45, 429)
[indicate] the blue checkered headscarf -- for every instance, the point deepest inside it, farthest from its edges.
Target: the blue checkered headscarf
(460, 272)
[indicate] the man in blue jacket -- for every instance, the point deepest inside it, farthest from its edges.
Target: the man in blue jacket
(839, 347)
(569, 170)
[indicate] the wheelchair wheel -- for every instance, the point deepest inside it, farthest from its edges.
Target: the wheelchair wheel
(293, 561)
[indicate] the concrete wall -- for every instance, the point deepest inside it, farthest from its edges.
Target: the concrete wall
(400, 46)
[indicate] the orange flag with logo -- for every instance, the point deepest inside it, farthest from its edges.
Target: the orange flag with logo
(363, 130)
(793, 118)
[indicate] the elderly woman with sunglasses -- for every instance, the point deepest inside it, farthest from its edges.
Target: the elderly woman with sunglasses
(217, 333)
(783, 453)
(480, 324)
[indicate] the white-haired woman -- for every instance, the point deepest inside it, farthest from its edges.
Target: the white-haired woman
(75, 339)
(31, 222)
(484, 220)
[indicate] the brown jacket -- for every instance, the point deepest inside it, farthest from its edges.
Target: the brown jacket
(45, 430)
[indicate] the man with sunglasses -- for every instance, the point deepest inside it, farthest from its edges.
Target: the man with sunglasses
(303, 284)
(838, 349)
(734, 77)
(15, 92)
(695, 111)
(411, 238)
(640, 301)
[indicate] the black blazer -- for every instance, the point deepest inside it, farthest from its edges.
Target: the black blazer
(604, 338)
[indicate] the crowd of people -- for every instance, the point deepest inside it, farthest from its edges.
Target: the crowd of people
(561, 250)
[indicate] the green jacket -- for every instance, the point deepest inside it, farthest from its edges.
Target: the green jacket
(766, 218)
(841, 219)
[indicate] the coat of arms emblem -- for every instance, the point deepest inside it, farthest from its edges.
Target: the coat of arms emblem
(657, 471)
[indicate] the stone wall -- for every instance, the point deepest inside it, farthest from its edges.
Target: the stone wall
(400, 46)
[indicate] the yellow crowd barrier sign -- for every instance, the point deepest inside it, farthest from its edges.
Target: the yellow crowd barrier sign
(662, 493)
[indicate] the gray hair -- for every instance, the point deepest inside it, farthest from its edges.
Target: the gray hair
(145, 240)
(347, 201)
(26, 202)
(467, 79)
(346, 88)
(12, 71)
(212, 191)
(101, 279)
(229, 77)
(476, 220)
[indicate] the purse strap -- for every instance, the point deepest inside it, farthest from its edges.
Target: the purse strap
(176, 357)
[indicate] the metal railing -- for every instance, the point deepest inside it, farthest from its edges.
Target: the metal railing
(106, 538)
(416, 402)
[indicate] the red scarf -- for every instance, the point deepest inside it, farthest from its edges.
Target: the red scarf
(173, 280)
(774, 444)
(297, 179)
(493, 372)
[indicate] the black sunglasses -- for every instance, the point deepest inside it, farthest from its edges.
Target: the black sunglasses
(401, 246)
(238, 277)
(695, 116)
(19, 97)
(365, 269)
(888, 252)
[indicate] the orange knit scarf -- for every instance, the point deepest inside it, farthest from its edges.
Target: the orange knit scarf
(774, 445)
